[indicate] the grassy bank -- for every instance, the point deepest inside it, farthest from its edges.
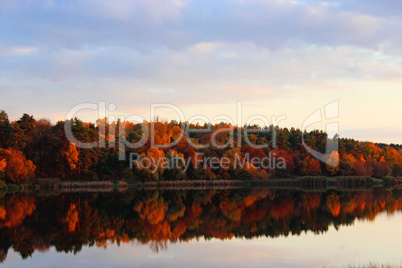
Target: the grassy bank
(48, 184)
(8, 188)
(319, 183)
(374, 265)
(354, 182)
(307, 182)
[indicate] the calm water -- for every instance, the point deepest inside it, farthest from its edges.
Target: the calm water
(227, 228)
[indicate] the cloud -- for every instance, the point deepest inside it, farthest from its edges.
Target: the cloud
(16, 51)
(205, 47)
(157, 10)
(196, 53)
(179, 25)
(204, 73)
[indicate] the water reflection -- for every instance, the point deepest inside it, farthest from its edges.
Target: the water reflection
(68, 222)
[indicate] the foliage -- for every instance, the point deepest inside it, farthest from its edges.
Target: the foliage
(3, 165)
(71, 155)
(37, 145)
(18, 168)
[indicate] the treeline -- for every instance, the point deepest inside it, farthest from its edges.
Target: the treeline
(32, 148)
(31, 223)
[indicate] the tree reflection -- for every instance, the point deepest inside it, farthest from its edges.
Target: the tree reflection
(69, 222)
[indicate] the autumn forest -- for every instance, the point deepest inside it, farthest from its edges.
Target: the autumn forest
(31, 148)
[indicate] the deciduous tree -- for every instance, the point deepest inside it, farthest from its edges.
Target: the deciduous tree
(3, 164)
(71, 155)
(18, 168)
(333, 163)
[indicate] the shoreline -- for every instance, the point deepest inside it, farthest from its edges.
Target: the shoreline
(317, 183)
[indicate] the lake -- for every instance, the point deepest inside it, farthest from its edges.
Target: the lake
(253, 227)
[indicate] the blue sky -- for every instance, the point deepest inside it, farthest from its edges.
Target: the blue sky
(276, 57)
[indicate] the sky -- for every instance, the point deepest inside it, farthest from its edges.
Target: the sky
(276, 59)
